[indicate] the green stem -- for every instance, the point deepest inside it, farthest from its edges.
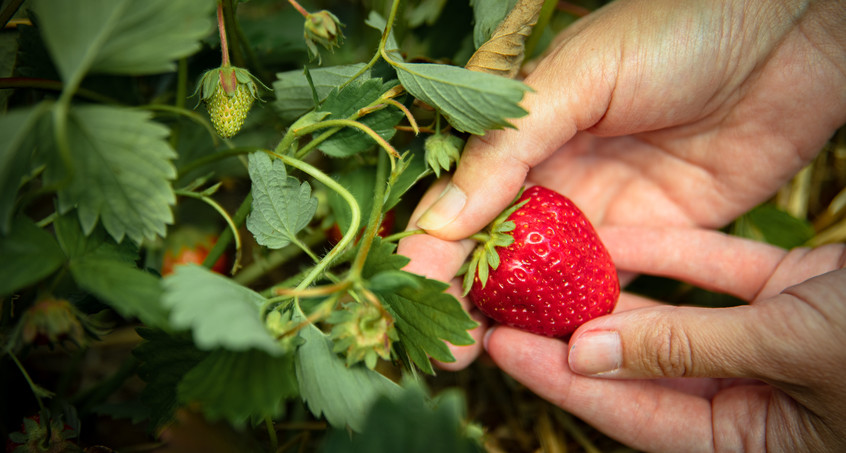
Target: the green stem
(298, 7)
(388, 26)
(37, 390)
(537, 31)
(224, 42)
(402, 235)
(9, 11)
(271, 432)
(181, 110)
(227, 235)
(355, 217)
(210, 158)
(374, 223)
(339, 123)
(276, 258)
(232, 227)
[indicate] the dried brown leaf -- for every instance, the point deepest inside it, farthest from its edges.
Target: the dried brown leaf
(503, 53)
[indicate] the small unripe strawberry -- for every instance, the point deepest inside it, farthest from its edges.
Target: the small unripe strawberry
(544, 269)
(229, 93)
(322, 28)
(363, 332)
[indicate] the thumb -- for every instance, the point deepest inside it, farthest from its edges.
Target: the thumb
(669, 341)
(494, 167)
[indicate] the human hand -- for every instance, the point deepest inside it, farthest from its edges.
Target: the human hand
(652, 113)
(764, 376)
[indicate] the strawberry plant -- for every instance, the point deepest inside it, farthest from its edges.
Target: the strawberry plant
(260, 124)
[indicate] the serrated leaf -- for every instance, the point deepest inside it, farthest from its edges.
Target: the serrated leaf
(471, 101)
(425, 316)
(165, 359)
(415, 170)
(344, 103)
(293, 93)
(410, 422)
(341, 394)
(238, 386)
(502, 54)
(361, 183)
(29, 254)
(220, 312)
(120, 173)
(121, 36)
(107, 270)
(767, 223)
(18, 129)
(282, 206)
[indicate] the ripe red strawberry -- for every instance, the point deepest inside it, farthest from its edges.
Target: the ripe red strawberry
(543, 269)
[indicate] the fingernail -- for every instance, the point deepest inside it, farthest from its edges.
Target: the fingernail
(487, 336)
(445, 209)
(596, 353)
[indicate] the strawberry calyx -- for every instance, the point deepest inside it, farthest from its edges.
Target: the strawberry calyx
(229, 78)
(485, 257)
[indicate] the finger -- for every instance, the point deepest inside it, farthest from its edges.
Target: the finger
(704, 258)
(669, 341)
(440, 260)
(493, 167)
(641, 414)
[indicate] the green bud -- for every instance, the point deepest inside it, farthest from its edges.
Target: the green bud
(322, 28)
(442, 150)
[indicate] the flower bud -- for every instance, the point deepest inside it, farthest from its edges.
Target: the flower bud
(322, 28)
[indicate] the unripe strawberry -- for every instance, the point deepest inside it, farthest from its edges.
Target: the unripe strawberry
(544, 269)
(322, 28)
(229, 93)
(363, 332)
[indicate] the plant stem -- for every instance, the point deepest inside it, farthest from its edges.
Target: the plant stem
(402, 235)
(9, 11)
(224, 42)
(374, 223)
(298, 7)
(53, 85)
(232, 227)
(227, 235)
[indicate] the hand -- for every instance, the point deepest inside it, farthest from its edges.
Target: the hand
(652, 113)
(779, 361)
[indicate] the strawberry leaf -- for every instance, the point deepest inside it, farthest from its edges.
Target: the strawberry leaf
(107, 270)
(294, 96)
(121, 36)
(29, 254)
(119, 174)
(220, 312)
(165, 359)
(236, 386)
(341, 394)
(425, 316)
(346, 102)
(18, 129)
(767, 223)
(282, 206)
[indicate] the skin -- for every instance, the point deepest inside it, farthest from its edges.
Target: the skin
(664, 120)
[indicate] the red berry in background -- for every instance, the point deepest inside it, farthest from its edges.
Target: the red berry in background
(190, 249)
(551, 273)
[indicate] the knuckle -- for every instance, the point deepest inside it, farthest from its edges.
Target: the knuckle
(669, 352)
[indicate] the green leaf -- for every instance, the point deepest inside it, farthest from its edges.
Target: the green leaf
(165, 360)
(282, 206)
(120, 172)
(424, 314)
(471, 101)
(344, 103)
(18, 131)
(414, 170)
(130, 291)
(121, 36)
(221, 313)
(361, 183)
(342, 394)
(29, 254)
(487, 14)
(411, 422)
(767, 223)
(426, 11)
(107, 270)
(238, 386)
(294, 95)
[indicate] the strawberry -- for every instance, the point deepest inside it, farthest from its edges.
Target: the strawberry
(190, 246)
(542, 267)
(229, 93)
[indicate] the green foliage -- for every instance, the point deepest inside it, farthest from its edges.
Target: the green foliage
(219, 312)
(424, 314)
(411, 422)
(119, 172)
(238, 386)
(767, 223)
(282, 206)
(29, 254)
(342, 395)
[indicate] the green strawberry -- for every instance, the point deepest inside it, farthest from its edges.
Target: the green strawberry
(229, 93)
